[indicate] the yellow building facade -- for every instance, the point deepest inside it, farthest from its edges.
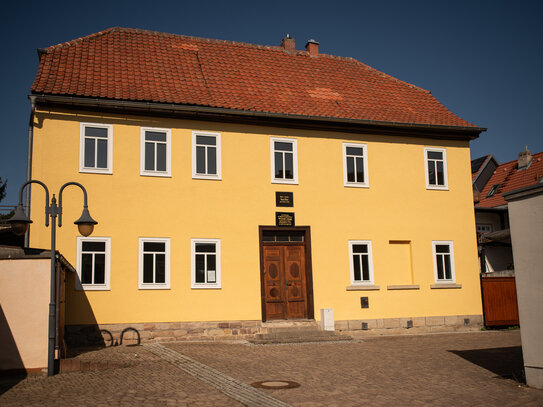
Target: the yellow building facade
(378, 226)
(396, 212)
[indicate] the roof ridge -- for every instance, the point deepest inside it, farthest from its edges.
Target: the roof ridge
(390, 76)
(516, 160)
(172, 35)
(258, 46)
(76, 40)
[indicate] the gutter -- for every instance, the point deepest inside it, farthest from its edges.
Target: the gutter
(29, 161)
(210, 113)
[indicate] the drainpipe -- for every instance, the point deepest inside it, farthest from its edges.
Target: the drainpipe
(58, 276)
(29, 162)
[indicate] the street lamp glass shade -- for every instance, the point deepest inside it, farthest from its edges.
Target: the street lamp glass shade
(85, 229)
(19, 221)
(85, 223)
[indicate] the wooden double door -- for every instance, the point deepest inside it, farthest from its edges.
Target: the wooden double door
(284, 282)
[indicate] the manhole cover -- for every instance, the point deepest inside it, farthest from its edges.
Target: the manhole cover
(276, 384)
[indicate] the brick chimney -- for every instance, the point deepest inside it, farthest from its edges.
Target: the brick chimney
(312, 47)
(524, 159)
(288, 43)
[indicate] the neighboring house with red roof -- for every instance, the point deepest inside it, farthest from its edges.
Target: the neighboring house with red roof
(238, 184)
(491, 180)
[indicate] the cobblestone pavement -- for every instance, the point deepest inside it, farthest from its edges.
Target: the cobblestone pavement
(148, 380)
(461, 369)
(242, 392)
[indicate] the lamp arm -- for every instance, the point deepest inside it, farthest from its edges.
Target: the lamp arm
(60, 199)
(47, 207)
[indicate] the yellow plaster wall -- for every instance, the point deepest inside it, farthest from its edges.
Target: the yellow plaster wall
(396, 206)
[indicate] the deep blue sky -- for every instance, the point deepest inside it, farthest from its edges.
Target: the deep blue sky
(481, 59)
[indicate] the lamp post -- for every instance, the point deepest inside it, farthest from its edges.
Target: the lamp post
(19, 224)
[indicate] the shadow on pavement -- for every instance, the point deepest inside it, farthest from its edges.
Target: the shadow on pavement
(504, 362)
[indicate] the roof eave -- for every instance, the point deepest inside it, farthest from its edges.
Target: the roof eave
(216, 113)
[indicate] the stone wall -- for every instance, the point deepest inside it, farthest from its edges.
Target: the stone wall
(133, 334)
(385, 326)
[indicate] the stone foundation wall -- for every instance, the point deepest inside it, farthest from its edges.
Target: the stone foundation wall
(133, 334)
(403, 325)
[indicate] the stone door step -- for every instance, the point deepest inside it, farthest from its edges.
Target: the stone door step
(297, 334)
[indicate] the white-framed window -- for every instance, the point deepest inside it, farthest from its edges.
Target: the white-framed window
(206, 155)
(205, 263)
(361, 262)
(435, 163)
(96, 148)
(355, 165)
(155, 152)
(154, 263)
(284, 160)
(443, 254)
(93, 263)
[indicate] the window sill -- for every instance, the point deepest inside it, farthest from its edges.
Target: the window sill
(445, 285)
(209, 177)
(356, 185)
(281, 181)
(403, 287)
(96, 171)
(92, 288)
(436, 188)
(154, 287)
(156, 174)
(206, 287)
(369, 287)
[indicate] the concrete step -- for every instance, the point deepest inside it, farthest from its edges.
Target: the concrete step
(302, 332)
(300, 329)
(300, 339)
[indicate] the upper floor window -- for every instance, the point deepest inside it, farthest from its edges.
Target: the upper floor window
(355, 165)
(155, 152)
(284, 161)
(96, 148)
(93, 263)
(154, 263)
(361, 262)
(206, 155)
(443, 261)
(206, 263)
(435, 160)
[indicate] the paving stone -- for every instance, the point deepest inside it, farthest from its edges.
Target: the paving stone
(437, 369)
(235, 389)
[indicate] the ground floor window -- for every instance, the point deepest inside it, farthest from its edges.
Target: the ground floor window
(154, 263)
(206, 263)
(361, 262)
(443, 261)
(93, 263)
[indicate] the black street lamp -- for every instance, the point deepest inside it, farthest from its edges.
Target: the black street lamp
(19, 225)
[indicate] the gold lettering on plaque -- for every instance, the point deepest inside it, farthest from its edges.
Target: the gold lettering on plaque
(285, 219)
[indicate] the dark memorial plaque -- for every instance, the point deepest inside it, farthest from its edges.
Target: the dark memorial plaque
(284, 199)
(284, 218)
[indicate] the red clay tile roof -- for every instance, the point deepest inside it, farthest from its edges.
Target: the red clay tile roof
(138, 65)
(510, 179)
